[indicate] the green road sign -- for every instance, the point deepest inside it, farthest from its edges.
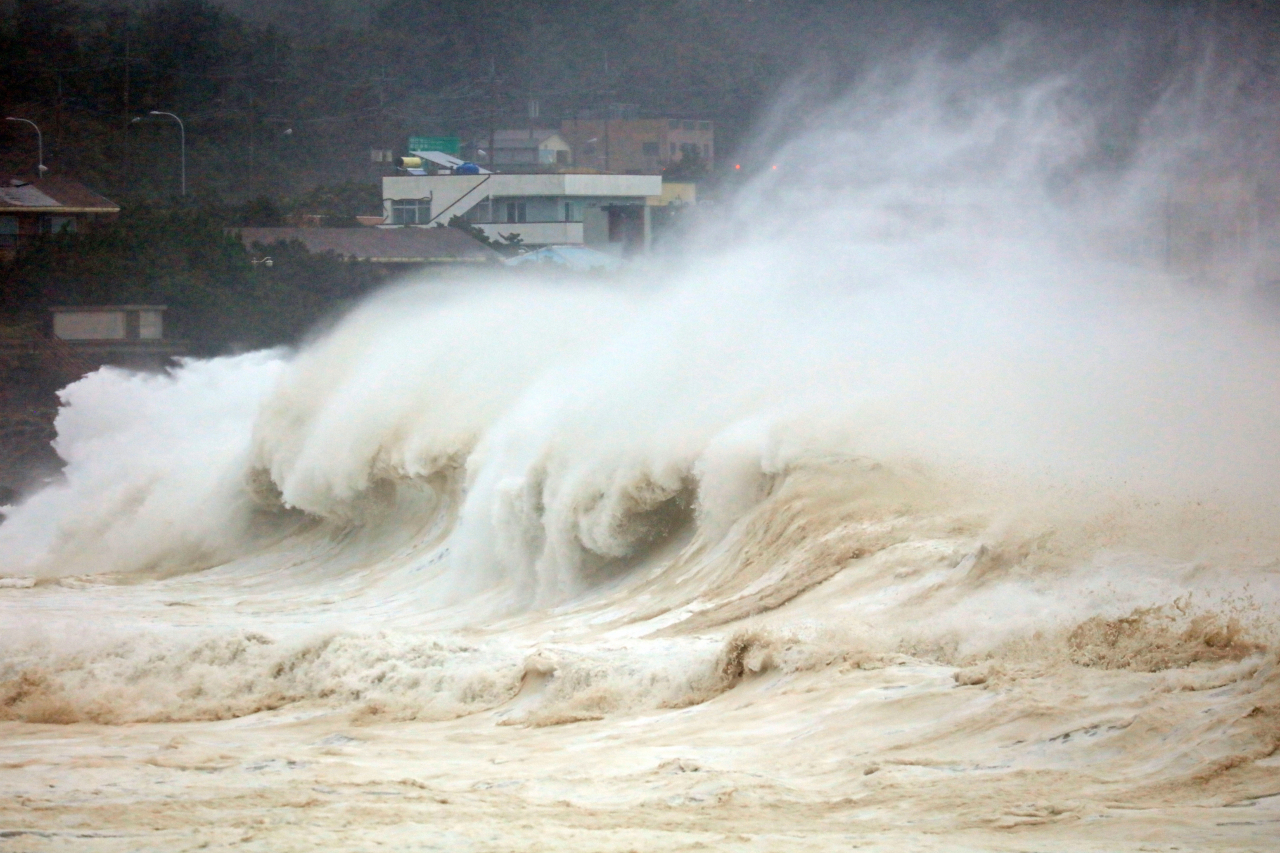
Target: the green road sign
(444, 144)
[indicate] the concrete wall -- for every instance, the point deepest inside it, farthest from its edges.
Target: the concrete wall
(125, 322)
(675, 192)
(449, 194)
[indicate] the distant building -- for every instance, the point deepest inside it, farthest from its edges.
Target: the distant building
(88, 336)
(108, 322)
(35, 362)
(394, 248)
(638, 146)
(532, 147)
(606, 212)
(48, 206)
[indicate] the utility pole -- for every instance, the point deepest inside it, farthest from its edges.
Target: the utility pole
(57, 114)
(126, 71)
(608, 110)
(382, 108)
(493, 108)
(381, 132)
(252, 170)
(125, 119)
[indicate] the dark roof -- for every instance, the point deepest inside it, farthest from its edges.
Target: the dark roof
(383, 245)
(51, 195)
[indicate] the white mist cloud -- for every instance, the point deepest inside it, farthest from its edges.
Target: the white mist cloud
(942, 272)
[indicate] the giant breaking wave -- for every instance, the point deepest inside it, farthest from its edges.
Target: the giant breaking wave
(922, 404)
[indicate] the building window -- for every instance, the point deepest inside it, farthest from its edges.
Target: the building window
(516, 212)
(90, 325)
(57, 224)
(150, 325)
(650, 149)
(410, 211)
(573, 211)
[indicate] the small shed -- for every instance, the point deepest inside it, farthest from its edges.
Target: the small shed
(108, 322)
(528, 148)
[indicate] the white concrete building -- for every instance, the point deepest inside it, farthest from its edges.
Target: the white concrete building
(606, 212)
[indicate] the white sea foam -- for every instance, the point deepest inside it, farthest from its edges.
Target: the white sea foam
(154, 472)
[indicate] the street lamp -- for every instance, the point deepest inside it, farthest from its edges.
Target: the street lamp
(40, 169)
(182, 135)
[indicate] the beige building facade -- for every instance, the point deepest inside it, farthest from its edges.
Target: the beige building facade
(638, 146)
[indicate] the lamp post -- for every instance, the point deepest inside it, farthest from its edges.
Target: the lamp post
(182, 135)
(40, 169)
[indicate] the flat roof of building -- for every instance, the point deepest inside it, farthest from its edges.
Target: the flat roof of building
(403, 245)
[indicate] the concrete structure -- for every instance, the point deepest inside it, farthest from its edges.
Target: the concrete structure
(85, 337)
(391, 247)
(606, 212)
(675, 192)
(108, 322)
(526, 148)
(51, 205)
(638, 146)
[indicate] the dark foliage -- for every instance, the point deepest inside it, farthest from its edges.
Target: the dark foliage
(192, 262)
(275, 104)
